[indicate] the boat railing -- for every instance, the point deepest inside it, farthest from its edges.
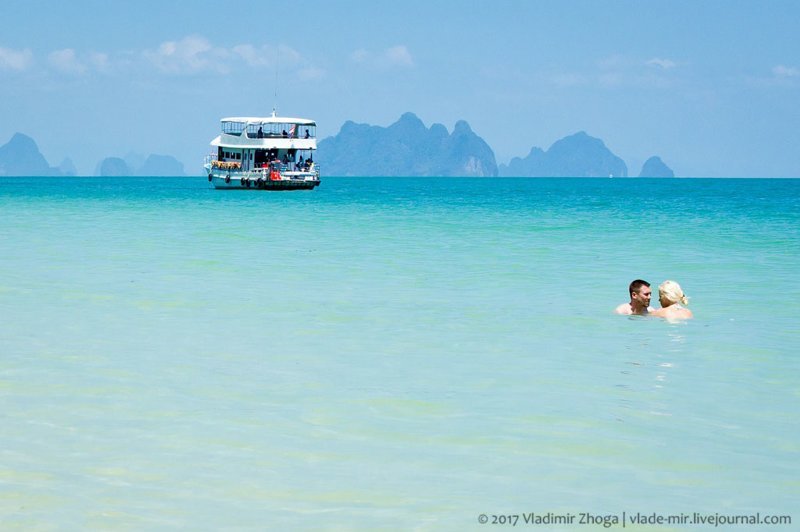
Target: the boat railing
(235, 167)
(305, 168)
(283, 169)
(272, 135)
(289, 167)
(226, 165)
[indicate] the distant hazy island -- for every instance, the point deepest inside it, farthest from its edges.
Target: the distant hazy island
(133, 164)
(405, 148)
(20, 156)
(578, 155)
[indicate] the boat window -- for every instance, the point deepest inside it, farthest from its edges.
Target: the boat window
(270, 130)
(232, 128)
(257, 131)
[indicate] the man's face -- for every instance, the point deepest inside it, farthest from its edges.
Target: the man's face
(642, 296)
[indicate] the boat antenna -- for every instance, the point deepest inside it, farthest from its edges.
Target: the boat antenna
(275, 95)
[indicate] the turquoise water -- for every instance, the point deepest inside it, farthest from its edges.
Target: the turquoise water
(393, 353)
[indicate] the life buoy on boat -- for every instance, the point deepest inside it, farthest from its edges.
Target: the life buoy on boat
(227, 179)
(275, 175)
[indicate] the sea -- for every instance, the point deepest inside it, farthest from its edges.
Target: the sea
(397, 354)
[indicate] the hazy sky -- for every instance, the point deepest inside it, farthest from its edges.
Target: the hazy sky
(713, 87)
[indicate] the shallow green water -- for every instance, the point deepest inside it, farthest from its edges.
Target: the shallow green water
(393, 353)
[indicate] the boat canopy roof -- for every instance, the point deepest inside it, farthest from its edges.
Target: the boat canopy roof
(270, 120)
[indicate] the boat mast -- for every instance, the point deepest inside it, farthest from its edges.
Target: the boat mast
(275, 95)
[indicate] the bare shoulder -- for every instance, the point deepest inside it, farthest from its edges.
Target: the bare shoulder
(673, 312)
(624, 308)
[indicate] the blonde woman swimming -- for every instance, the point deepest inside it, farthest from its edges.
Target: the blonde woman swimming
(673, 302)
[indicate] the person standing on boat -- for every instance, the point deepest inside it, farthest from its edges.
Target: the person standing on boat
(639, 304)
(260, 133)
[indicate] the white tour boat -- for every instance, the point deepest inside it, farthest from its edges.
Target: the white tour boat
(271, 153)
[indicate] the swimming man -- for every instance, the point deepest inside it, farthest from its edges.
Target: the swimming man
(640, 299)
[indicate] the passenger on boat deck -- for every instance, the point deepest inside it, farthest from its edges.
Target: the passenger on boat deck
(285, 134)
(640, 293)
(260, 133)
(307, 134)
(300, 162)
(671, 297)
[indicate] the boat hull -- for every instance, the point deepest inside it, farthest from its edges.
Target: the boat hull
(259, 181)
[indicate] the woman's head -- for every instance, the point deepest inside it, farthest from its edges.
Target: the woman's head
(670, 292)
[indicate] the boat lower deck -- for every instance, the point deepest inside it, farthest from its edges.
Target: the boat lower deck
(263, 179)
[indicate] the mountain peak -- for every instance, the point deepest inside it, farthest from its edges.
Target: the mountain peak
(22, 141)
(576, 155)
(409, 117)
(579, 138)
(21, 156)
(655, 167)
(409, 123)
(461, 128)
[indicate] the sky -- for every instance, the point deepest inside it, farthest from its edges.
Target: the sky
(712, 87)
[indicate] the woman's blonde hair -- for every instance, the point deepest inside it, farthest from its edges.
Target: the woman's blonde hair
(672, 292)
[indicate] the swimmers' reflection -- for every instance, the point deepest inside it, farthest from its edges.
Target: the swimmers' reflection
(645, 387)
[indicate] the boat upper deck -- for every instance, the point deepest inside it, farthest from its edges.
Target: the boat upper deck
(267, 132)
(273, 126)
